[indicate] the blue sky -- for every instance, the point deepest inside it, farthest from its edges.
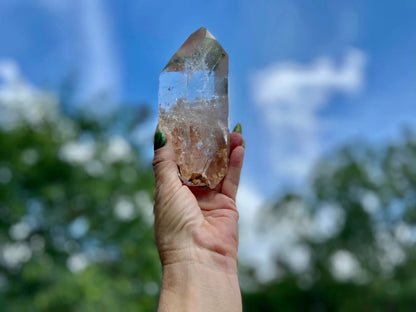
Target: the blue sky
(305, 76)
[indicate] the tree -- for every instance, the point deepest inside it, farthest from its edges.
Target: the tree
(350, 245)
(76, 220)
(75, 210)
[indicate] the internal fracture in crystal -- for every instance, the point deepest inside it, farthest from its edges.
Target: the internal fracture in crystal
(193, 109)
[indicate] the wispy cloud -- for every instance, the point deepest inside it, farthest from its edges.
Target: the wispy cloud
(101, 62)
(290, 96)
(56, 6)
(91, 25)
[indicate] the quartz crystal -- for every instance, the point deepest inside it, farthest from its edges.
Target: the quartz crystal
(193, 109)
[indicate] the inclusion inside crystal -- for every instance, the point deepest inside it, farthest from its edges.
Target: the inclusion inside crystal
(193, 109)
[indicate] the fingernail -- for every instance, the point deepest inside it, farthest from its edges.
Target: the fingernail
(237, 128)
(160, 139)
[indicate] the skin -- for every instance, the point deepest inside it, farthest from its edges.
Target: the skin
(196, 232)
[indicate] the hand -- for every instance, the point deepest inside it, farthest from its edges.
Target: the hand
(194, 217)
(194, 226)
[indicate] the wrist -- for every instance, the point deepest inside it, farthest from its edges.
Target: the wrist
(200, 280)
(199, 257)
(195, 288)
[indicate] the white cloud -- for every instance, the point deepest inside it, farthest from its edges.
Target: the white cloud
(291, 82)
(90, 22)
(55, 5)
(290, 97)
(101, 68)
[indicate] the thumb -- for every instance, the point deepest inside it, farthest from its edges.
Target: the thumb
(164, 163)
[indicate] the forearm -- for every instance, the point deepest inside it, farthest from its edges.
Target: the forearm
(198, 286)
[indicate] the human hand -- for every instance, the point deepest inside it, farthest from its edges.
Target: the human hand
(196, 228)
(194, 217)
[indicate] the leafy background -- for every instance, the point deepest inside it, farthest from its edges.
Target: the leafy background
(76, 220)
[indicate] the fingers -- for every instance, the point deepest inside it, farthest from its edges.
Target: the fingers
(232, 179)
(164, 163)
(236, 139)
(166, 170)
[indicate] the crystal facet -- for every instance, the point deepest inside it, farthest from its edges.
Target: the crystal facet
(193, 109)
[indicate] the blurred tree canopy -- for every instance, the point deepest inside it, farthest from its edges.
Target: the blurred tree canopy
(348, 243)
(75, 210)
(76, 220)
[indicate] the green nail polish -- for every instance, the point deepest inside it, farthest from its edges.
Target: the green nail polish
(237, 128)
(160, 139)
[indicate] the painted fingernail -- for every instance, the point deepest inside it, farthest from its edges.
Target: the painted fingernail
(237, 128)
(160, 139)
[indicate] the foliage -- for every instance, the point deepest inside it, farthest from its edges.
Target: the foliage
(75, 213)
(76, 221)
(356, 230)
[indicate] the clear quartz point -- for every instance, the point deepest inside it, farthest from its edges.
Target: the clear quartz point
(193, 109)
